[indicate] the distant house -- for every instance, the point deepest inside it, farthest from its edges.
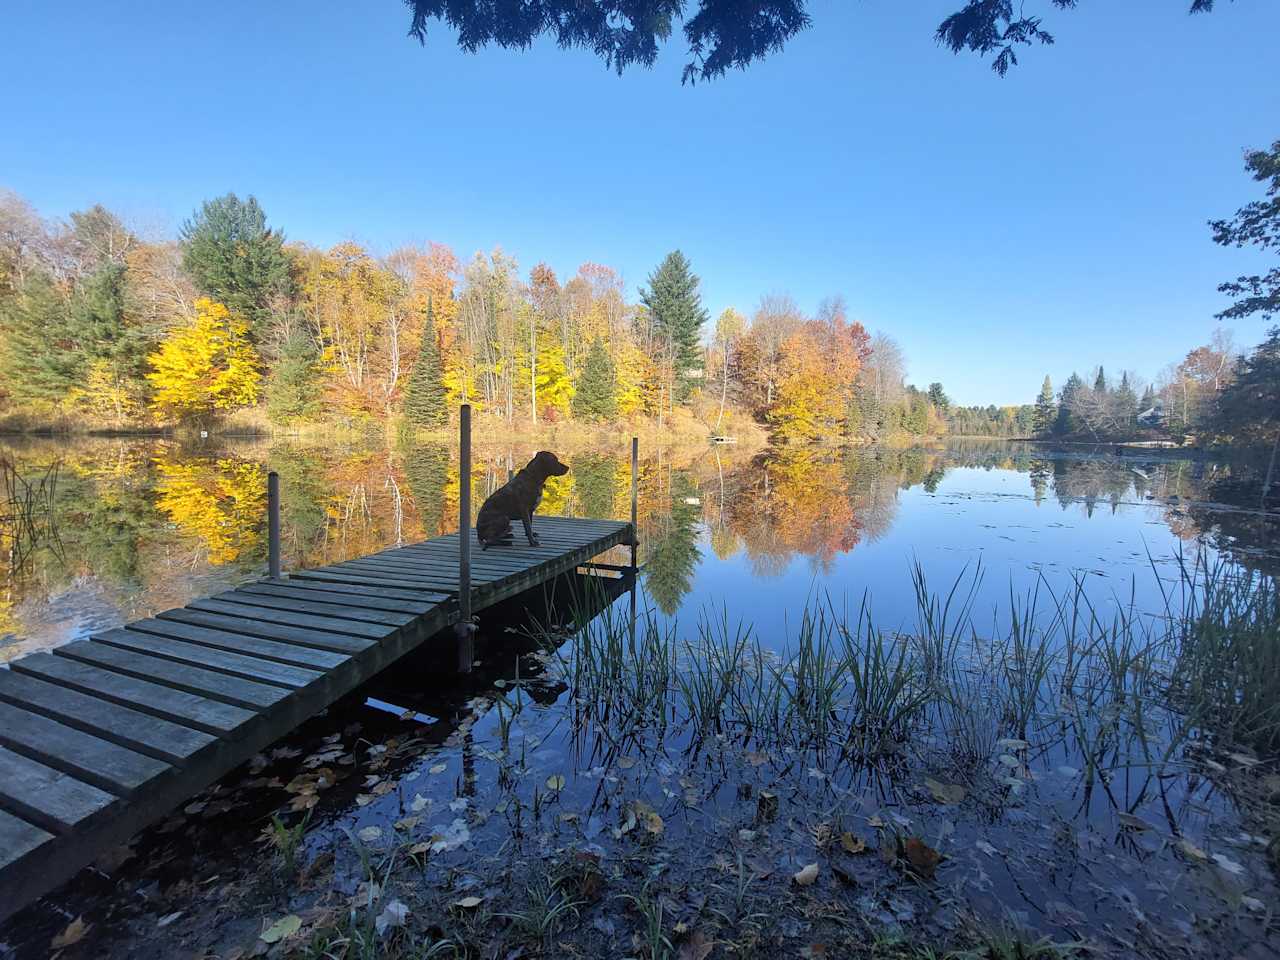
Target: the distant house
(1153, 416)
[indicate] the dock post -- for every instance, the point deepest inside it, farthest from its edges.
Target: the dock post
(465, 628)
(273, 524)
(635, 493)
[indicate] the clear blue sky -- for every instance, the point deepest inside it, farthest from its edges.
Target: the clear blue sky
(1000, 229)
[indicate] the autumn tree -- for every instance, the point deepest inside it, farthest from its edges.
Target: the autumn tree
(204, 365)
(675, 304)
(596, 398)
(236, 260)
(424, 397)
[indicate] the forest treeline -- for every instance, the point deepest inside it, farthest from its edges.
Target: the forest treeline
(100, 327)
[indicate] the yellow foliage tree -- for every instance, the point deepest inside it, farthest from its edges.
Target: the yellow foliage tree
(636, 375)
(221, 503)
(204, 365)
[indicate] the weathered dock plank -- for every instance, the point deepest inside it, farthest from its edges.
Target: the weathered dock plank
(104, 735)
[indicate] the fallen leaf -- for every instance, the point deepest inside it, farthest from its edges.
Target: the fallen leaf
(369, 834)
(986, 848)
(946, 792)
(1189, 849)
(1010, 743)
(419, 803)
(626, 763)
(555, 782)
(697, 947)
(407, 823)
(438, 768)
(393, 914)
(1130, 822)
(72, 934)
(1254, 904)
(923, 858)
(1227, 864)
(756, 758)
(468, 903)
(418, 849)
(852, 844)
(168, 919)
(806, 876)
(284, 927)
(1244, 759)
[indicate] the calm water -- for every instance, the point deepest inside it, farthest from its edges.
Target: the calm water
(1097, 816)
(126, 529)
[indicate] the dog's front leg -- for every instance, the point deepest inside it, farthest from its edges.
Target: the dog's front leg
(528, 529)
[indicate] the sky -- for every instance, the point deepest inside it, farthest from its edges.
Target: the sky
(999, 229)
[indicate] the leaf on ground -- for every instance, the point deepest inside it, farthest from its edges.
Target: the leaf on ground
(757, 758)
(364, 799)
(369, 834)
(1227, 864)
(407, 823)
(72, 934)
(438, 769)
(1009, 743)
(697, 947)
(555, 782)
(168, 918)
(468, 903)
(285, 927)
(923, 858)
(1130, 822)
(946, 792)
(1190, 850)
(419, 803)
(986, 848)
(626, 763)
(394, 914)
(1244, 759)
(852, 844)
(418, 849)
(806, 876)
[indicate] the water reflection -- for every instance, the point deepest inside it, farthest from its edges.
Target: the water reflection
(143, 525)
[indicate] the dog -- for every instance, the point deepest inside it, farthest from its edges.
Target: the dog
(517, 499)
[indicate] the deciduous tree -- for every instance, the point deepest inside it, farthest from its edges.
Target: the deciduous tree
(204, 365)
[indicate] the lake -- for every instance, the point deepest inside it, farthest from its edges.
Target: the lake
(136, 527)
(797, 738)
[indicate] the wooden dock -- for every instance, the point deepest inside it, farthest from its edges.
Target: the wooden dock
(103, 736)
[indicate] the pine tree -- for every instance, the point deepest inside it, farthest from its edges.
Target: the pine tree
(678, 314)
(39, 360)
(235, 259)
(1125, 403)
(1046, 412)
(1066, 421)
(597, 396)
(1148, 398)
(1100, 384)
(938, 397)
(294, 388)
(424, 397)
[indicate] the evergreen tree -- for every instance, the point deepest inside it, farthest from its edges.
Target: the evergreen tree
(597, 396)
(39, 359)
(424, 397)
(1100, 384)
(294, 388)
(1045, 412)
(1125, 403)
(1148, 398)
(427, 470)
(236, 260)
(938, 397)
(1066, 421)
(676, 307)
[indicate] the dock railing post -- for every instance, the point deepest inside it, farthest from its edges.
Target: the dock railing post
(635, 493)
(273, 524)
(465, 629)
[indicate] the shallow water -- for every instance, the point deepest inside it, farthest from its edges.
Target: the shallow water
(1060, 825)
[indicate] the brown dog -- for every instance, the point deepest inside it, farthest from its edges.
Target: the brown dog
(517, 499)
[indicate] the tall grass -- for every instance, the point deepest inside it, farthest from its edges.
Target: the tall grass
(1124, 688)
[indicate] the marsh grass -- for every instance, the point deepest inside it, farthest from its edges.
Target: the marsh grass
(1122, 688)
